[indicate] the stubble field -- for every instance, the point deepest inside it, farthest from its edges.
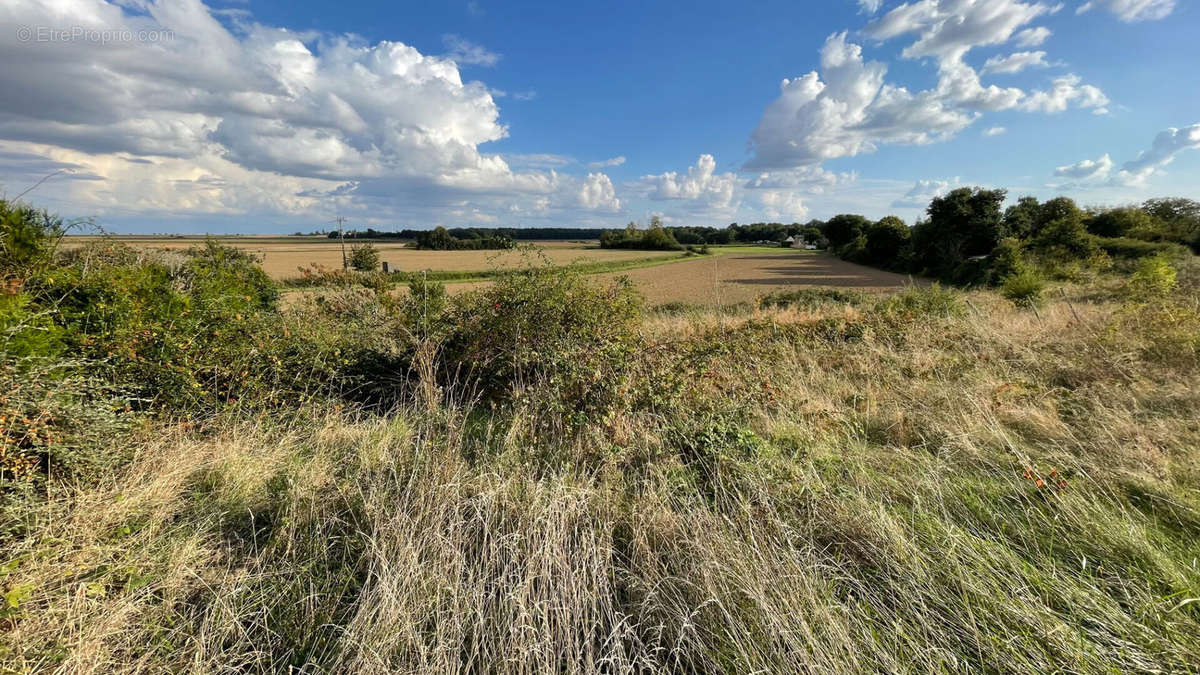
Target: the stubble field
(729, 275)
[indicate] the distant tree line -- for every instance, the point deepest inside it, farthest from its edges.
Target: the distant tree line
(659, 237)
(441, 239)
(513, 233)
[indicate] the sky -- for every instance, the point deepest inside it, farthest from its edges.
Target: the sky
(266, 116)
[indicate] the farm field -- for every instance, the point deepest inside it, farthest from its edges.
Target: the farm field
(743, 275)
(731, 274)
(282, 256)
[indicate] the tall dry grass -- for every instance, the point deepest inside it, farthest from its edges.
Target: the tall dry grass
(841, 489)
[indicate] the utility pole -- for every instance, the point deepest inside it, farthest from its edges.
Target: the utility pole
(341, 221)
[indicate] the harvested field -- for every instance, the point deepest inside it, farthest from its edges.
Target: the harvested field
(729, 278)
(742, 277)
(283, 256)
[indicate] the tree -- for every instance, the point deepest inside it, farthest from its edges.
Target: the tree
(658, 239)
(885, 241)
(1066, 238)
(364, 258)
(845, 228)
(1126, 221)
(1180, 218)
(812, 235)
(1056, 209)
(963, 223)
(1019, 218)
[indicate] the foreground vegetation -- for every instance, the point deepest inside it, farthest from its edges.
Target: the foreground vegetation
(543, 476)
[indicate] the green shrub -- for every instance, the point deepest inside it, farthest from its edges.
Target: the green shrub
(1124, 222)
(364, 258)
(548, 330)
(1006, 260)
(811, 298)
(28, 238)
(1065, 239)
(58, 418)
(914, 302)
(424, 308)
(1024, 288)
(1127, 247)
(1154, 278)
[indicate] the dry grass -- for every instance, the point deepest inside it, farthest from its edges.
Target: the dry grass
(838, 491)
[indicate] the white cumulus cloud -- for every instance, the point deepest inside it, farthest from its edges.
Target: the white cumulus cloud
(1087, 169)
(259, 119)
(1162, 151)
(702, 187)
(1136, 172)
(847, 108)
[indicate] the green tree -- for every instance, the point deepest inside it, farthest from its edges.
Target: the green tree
(845, 228)
(1126, 221)
(886, 240)
(1019, 219)
(965, 222)
(364, 258)
(1180, 218)
(1059, 208)
(1065, 238)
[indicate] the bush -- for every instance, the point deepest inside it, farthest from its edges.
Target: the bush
(1065, 239)
(364, 258)
(1124, 222)
(1129, 248)
(1154, 278)
(1006, 260)
(914, 302)
(424, 308)
(28, 238)
(1024, 288)
(811, 298)
(546, 330)
(58, 418)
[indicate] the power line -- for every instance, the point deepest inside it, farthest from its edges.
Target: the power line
(341, 222)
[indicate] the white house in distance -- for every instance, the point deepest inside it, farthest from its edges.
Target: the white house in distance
(798, 242)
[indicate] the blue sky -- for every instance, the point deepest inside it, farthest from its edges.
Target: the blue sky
(271, 116)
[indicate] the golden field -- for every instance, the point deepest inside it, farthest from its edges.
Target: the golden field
(728, 276)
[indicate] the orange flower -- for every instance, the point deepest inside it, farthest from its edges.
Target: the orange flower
(1041, 483)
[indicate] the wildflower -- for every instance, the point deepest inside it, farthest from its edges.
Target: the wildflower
(1041, 483)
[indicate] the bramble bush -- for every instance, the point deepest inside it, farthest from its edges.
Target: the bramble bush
(545, 335)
